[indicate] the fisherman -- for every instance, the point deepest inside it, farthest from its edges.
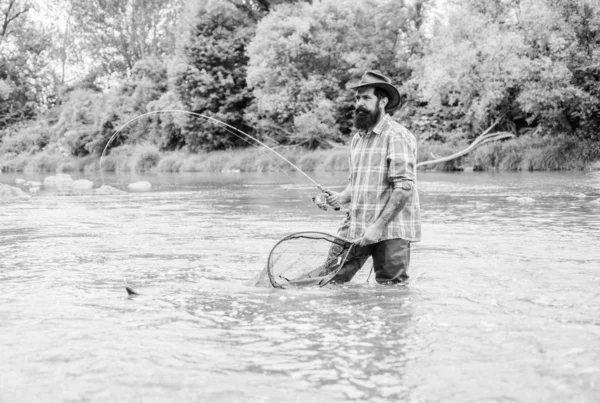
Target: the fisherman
(384, 215)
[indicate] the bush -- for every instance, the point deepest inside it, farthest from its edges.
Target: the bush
(25, 139)
(170, 163)
(66, 167)
(206, 162)
(14, 163)
(536, 153)
(108, 164)
(309, 162)
(431, 151)
(147, 160)
(43, 162)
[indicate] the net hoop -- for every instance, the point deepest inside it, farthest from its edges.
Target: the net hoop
(324, 280)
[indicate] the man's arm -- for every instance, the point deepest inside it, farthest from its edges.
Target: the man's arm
(395, 204)
(342, 197)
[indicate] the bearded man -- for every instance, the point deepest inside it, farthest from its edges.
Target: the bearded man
(384, 215)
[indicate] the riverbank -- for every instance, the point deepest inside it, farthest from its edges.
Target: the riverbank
(521, 154)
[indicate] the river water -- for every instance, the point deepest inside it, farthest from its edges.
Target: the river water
(503, 303)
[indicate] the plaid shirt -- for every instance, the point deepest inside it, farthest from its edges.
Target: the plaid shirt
(380, 160)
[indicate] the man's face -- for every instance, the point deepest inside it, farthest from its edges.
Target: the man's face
(367, 111)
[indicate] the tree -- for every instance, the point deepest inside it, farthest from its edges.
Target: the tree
(257, 9)
(12, 11)
(115, 34)
(212, 78)
(25, 79)
(304, 54)
(88, 118)
(583, 17)
(520, 61)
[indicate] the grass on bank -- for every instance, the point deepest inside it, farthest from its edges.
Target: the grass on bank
(521, 154)
(525, 153)
(147, 158)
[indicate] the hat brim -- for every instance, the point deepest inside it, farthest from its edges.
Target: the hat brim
(393, 94)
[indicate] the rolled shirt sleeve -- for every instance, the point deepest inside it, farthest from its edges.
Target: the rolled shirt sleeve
(402, 158)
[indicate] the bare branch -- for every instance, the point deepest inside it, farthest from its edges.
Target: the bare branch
(484, 138)
(590, 67)
(8, 18)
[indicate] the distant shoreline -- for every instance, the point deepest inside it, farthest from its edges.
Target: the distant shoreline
(521, 154)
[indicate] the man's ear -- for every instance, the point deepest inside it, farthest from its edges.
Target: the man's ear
(383, 102)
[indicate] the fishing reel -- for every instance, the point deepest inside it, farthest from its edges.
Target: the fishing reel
(320, 200)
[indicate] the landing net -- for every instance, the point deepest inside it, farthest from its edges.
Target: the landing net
(306, 259)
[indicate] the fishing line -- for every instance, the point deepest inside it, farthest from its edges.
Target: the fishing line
(219, 123)
(228, 128)
(317, 200)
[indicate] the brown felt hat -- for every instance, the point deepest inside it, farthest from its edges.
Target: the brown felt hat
(374, 79)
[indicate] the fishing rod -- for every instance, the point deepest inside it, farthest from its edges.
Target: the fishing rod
(228, 128)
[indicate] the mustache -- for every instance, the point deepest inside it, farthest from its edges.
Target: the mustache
(361, 109)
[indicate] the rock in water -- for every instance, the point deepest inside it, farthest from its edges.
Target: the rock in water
(108, 190)
(83, 185)
(7, 191)
(143, 186)
(61, 182)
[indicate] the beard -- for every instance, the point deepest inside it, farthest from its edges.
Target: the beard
(365, 119)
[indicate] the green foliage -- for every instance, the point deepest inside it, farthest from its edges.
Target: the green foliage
(83, 122)
(147, 160)
(432, 150)
(537, 153)
(147, 85)
(253, 160)
(117, 34)
(313, 128)
(166, 130)
(25, 139)
(213, 79)
(304, 54)
(25, 78)
(88, 119)
(518, 61)
(43, 162)
(170, 163)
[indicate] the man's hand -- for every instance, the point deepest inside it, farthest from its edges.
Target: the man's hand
(336, 199)
(371, 235)
(332, 198)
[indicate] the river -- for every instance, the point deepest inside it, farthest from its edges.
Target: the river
(503, 303)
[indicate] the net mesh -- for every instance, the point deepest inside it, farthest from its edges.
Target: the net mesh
(306, 258)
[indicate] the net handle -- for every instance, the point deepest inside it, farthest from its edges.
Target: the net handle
(326, 281)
